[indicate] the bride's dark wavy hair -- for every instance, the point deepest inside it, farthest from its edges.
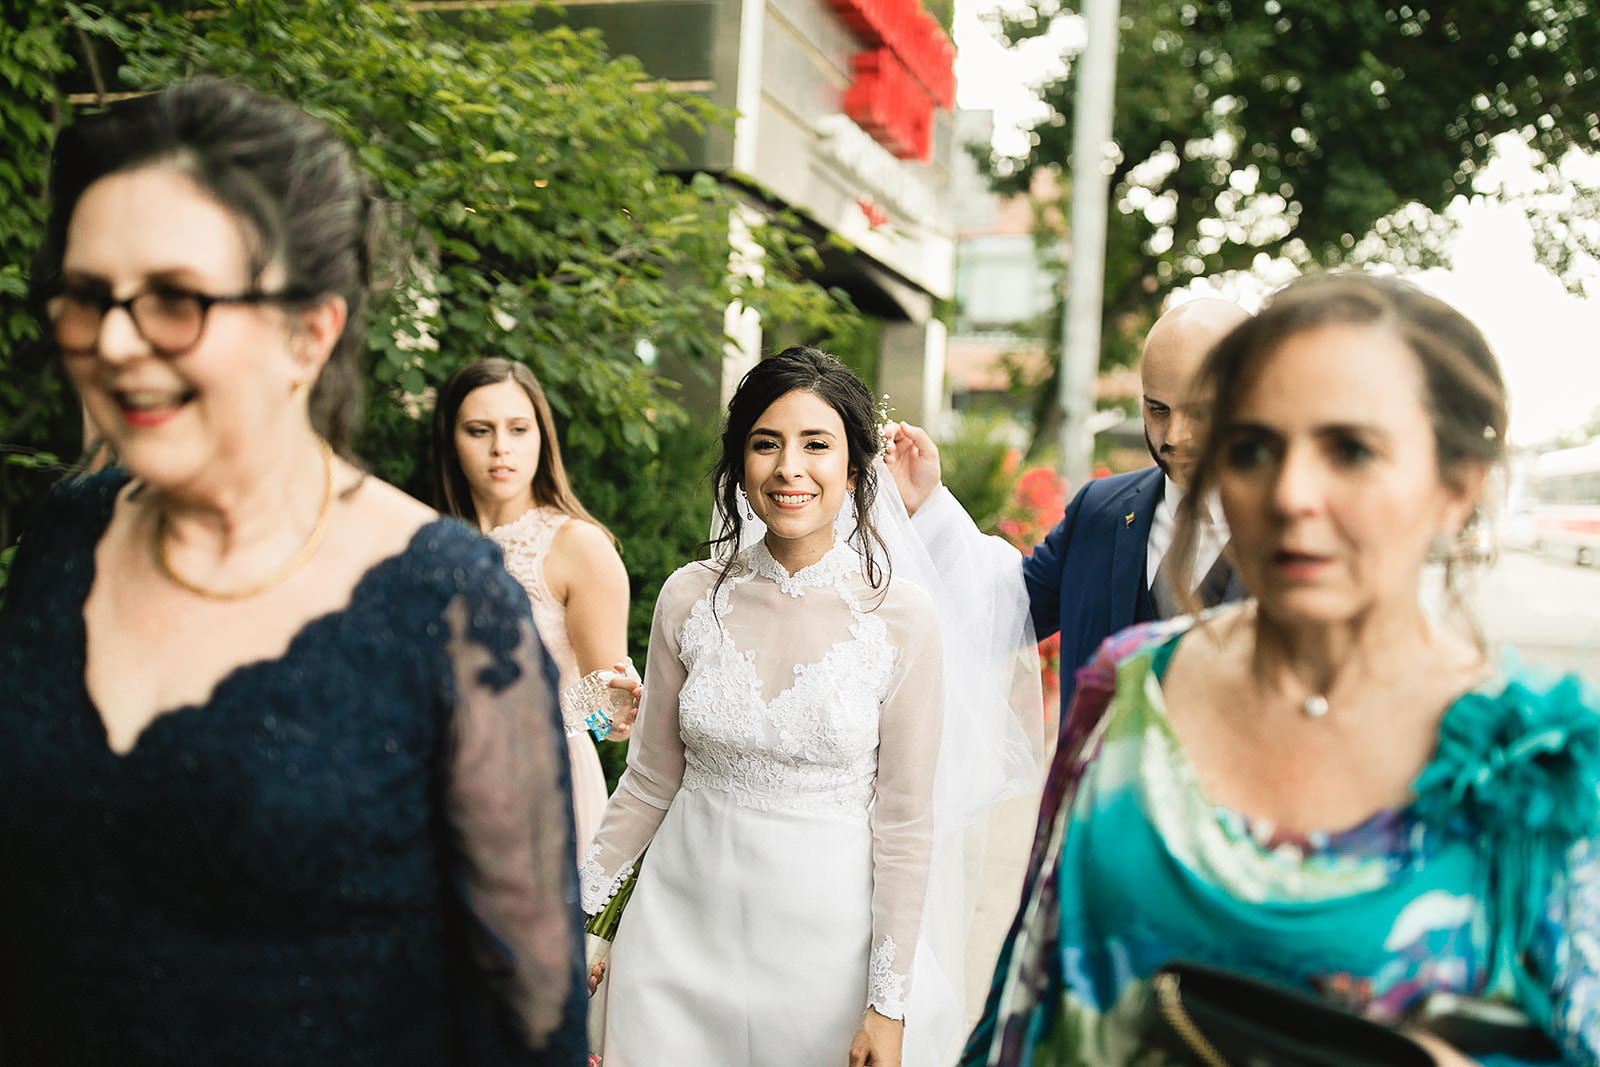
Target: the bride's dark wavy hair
(811, 371)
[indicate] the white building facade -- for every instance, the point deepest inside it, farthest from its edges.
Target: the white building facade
(843, 118)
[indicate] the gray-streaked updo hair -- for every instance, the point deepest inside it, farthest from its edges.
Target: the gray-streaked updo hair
(284, 174)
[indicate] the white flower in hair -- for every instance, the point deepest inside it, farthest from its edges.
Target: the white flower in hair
(886, 425)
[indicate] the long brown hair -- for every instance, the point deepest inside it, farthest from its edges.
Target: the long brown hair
(550, 485)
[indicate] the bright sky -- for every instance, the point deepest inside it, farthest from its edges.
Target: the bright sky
(992, 78)
(1548, 341)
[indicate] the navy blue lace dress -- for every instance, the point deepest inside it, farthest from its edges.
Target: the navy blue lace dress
(357, 853)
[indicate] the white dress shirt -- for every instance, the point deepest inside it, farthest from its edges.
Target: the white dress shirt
(1213, 533)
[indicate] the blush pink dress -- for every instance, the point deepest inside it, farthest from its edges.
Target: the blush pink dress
(526, 543)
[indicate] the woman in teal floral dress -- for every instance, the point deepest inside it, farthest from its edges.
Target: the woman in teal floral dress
(1322, 787)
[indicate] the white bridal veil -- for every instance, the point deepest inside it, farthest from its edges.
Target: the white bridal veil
(992, 745)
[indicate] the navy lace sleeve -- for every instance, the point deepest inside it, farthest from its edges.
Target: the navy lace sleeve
(510, 806)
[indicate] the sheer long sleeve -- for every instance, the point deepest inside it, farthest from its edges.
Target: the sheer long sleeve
(986, 612)
(655, 756)
(508, 801)
(910, 724)
(975, 567)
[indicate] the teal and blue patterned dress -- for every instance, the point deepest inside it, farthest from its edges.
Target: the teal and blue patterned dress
(1487, 883)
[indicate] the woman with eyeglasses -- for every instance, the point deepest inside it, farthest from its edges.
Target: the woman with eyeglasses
(282, 777)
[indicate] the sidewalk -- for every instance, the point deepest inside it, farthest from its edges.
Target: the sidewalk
(999, 886)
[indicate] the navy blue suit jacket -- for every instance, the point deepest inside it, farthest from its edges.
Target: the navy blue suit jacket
(1087, 577)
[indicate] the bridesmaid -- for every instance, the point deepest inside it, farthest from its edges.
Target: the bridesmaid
(499, 466)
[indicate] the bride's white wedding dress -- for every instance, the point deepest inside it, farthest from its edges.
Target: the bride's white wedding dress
(782, 775)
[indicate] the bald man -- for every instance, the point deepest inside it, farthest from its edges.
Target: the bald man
(1100, 569)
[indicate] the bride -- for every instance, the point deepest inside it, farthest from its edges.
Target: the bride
(786, 769)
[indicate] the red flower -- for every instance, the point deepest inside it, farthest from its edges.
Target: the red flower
(1039, 490)
(876, 216)
(1037, 502)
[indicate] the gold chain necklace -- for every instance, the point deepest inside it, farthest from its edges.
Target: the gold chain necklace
(313, 539)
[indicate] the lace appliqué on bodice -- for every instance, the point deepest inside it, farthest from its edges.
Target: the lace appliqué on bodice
(814, 746)
(808, 705)
(838, 565)
(526, 544)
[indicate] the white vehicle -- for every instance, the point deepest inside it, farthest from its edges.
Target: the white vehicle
(1565, 497)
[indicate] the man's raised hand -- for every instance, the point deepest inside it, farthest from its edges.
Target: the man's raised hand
(913, 461)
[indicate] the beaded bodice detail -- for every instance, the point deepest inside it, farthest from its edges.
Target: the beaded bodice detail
(814, 745)
(526, 543)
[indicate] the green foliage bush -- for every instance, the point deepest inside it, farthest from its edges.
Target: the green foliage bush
(33, 55)
(1325, 134)
(538, 212)
(979, 467)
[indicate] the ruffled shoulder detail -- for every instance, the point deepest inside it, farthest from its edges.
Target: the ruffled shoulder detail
(1520, 759)
(1518, 768)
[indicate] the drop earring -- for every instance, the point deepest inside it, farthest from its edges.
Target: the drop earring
(744, 501)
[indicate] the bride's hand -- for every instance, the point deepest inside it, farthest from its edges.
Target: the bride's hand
(597, 972)
(877, 1041)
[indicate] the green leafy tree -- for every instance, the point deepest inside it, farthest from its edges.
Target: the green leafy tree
(536, 213)
(1324, 133)
(1563, 208)
(33, 54)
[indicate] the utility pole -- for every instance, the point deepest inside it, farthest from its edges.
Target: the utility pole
(1093, 103)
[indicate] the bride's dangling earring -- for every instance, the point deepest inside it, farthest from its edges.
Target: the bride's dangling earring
(744, 501)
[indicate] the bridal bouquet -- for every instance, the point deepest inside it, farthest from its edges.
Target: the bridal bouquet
(600, 931)
(603, 923)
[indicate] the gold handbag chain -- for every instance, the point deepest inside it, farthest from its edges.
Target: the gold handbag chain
(1171, 1005)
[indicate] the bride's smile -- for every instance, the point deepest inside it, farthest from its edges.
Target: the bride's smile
(797, 474)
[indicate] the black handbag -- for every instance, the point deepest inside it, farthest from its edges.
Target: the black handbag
(1201, 1016)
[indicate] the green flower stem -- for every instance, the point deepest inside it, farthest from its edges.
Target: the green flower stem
(603, 924)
